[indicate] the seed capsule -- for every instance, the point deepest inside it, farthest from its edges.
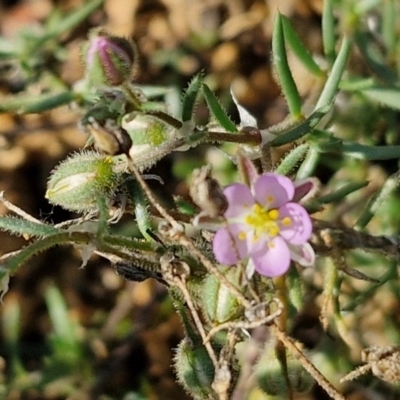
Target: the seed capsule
(77, 182)
(195, 370)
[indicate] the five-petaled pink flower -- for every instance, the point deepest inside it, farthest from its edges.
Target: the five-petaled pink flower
(265, 224)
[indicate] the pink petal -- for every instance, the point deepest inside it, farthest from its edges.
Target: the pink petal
(239, 199)
(300, 229)
(273, 190)
(228, 249)
(271, 258)
(303, 254)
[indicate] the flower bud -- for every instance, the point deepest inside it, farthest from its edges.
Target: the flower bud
(78, 181)
(195, 370)
(109, 60)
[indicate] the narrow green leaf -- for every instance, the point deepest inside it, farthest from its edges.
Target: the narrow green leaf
(342, 192)
(370, 50)
(356, 83)
(389, 29)
(217, 110)
(12, 263)
(309, 165)
(332, 84)
(293, 159)
(391, 184)
(27, 104)
(302, 129)
(281, 65)
(19, 226)
(364, 152)
(387, 96)
(298, 48)
(73, 19)
(390, 274)
(63, 329)
(191, 96)
(328, 31)
(324, 141)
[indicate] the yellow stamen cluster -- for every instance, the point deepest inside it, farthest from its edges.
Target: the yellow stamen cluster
(264, 221)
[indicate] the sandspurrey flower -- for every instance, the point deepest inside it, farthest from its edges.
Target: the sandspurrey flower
(265, 225)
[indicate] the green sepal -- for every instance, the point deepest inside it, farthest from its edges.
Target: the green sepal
(191, 96)
(281, 65)
(217, 110)
(299, 49)
(20, 226)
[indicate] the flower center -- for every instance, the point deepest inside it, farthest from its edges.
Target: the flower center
(265, 221)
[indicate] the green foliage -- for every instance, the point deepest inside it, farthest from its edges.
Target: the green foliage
(191, 97)
(281, 65)
(217, 110)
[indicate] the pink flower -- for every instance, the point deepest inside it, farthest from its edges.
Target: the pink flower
(266, 225)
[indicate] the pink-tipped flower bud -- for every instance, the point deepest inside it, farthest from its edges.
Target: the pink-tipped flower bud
(109, 60)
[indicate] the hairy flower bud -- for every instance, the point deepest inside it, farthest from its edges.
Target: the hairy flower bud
(109, 60)
(195, 370)
(78, 181)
